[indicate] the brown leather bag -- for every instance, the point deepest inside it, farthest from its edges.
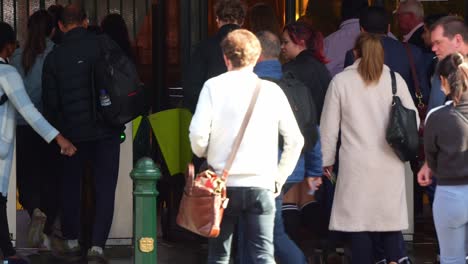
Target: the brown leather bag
(204, 200)
(421, 106)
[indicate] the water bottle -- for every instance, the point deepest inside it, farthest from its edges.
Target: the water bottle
(104, 98)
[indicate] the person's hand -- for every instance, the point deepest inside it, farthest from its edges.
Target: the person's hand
(425, 175)
(66, 147)
(327, 171)
(313, 182)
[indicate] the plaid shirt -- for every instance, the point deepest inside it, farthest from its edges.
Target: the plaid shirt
(18, 100)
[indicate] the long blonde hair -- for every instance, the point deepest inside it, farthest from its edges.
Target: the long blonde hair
(369, 49)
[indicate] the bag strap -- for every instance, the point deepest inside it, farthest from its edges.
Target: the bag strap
(241, 132)
(394, 88)
(417, 87)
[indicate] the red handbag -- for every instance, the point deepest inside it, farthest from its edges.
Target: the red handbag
(204, 199)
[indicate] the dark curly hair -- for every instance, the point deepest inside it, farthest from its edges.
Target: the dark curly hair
(230, 11)
(454, 68)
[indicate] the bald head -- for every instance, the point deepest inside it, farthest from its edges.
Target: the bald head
(271, 46)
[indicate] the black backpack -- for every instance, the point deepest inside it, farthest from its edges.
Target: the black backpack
(116, 86)
(303, 106)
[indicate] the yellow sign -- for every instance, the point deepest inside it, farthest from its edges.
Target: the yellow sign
(146, 244)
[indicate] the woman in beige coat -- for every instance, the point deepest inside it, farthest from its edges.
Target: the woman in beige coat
(370, 200)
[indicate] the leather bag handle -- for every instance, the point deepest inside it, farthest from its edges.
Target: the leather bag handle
(417, 87)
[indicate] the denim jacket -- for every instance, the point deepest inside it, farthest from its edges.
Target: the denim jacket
(11, 84)
(308, 165)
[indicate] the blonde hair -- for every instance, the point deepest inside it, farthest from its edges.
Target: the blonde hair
(241, 47)
(369, 49)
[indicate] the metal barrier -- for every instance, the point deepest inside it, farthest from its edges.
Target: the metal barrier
(145, 176)
(16, 12)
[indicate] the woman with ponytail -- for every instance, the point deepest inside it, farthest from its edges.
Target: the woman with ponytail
(446, 148)
(370, 196)
(37, 175)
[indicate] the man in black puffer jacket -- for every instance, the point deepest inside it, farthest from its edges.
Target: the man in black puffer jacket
(70, 104)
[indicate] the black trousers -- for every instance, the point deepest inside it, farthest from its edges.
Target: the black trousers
(38, 165)
(5, 241)
(371, 247)
(104, 157)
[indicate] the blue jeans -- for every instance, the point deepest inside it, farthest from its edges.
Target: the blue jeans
(450, 212)
(255, 207)
(286, 251)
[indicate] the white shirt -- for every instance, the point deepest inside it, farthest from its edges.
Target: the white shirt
(221, 107)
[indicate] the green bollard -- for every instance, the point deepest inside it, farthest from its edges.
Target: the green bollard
(144, 175)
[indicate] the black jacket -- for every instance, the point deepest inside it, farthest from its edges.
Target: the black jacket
(446, 143)
(206, 62)
(69, 102)
(417, 40)
(313, 74)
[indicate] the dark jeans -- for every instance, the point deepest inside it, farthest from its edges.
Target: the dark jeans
(255, 207)
(37, 174)
(5, 241)
(104, 155)
(285, 249)
(372, 247)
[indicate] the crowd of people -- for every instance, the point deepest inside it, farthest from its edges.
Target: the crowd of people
(47, 94)
(349, 76)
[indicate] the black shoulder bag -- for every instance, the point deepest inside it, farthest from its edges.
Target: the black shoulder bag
(402, 130)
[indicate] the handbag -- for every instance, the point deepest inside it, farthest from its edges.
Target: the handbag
(204, 199)
(402, 130)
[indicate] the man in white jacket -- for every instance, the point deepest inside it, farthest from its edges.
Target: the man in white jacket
(256, 173)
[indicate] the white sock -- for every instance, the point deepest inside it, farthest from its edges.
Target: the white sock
(46, 241)
(97, 249)
(72, 243)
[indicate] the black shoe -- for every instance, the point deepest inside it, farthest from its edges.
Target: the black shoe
(16, 259)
